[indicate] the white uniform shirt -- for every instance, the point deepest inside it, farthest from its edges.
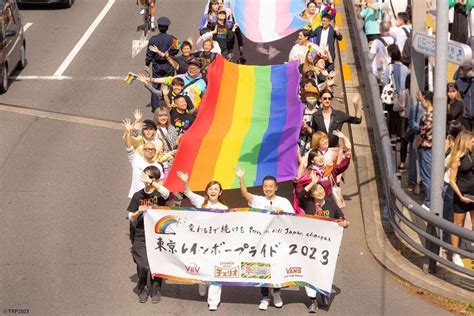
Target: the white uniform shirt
(277, 204)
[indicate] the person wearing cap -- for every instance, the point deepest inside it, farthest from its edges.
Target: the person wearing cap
(159, 57)
(310, 97)
(223, 34)
(314, 201)
(194, 83)
(209, 18)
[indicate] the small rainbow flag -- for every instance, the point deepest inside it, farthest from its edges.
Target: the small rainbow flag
(312, 52)
(176, 44)
(131, 77)
(250, 116)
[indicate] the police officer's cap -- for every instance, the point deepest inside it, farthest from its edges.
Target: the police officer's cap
(164, 21)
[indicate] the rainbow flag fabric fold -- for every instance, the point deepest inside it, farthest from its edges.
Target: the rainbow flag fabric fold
(250, 116)
(264, 21)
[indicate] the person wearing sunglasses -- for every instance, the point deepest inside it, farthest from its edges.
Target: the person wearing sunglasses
(328, 119)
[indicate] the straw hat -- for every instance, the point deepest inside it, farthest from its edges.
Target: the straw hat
(309, 89)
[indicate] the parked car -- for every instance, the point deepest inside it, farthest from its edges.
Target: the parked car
(12, 42)
(66, 3)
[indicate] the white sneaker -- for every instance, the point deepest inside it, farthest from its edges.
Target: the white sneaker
(142, 11)
(277, 301)
(425, 207)
(264, 304)
(212, 307)
(202, 289)
(457, 260)
(153, 25)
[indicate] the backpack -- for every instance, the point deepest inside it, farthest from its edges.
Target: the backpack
(406, 52)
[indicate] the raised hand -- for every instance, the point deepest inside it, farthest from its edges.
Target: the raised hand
(183, 176)
(165, 89)
(142, 78)
(338, 134)
(127, 124)
(145, 178)
(137, 114)
(239, 172)
(314, 177)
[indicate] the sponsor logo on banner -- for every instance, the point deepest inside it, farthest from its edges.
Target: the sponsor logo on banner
(192, 269)
(256, 270)
(293, 270)
(226, 272)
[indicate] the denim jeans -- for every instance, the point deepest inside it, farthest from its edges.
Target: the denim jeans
(448, 196)
(413, 177)
(424, 155)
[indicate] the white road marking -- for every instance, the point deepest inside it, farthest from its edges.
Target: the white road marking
(61, 117)
(27, 26)
(138, 45)
(84, 38)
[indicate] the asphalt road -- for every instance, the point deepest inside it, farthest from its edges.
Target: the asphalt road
(64, 182)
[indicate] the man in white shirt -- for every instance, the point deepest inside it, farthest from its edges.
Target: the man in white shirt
(378, 51)
(402, 31)
(138, 162)
(270, 201)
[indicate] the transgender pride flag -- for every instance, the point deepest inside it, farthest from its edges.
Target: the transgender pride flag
(264, 21)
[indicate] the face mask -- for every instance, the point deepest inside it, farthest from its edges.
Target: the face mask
(311, 100)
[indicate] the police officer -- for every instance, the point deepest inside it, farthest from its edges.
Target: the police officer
(161, 67)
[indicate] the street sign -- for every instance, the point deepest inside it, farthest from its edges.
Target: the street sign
(458, 53)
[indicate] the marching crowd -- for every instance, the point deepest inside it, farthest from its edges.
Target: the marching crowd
(411, 124)
(177, 81)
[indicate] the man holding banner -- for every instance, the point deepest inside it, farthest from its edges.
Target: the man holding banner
(270, 202)
(153, 194)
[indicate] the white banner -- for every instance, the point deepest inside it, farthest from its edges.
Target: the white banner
(245, 247)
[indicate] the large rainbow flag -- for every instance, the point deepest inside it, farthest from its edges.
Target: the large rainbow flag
(250, 116)
(264, 21)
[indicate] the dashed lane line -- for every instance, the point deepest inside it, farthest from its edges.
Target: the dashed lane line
(62, 68)
(57, 116)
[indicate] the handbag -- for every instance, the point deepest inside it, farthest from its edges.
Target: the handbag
(337, 194)
(388, 91)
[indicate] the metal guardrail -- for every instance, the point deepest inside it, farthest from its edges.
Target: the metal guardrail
(396, 198)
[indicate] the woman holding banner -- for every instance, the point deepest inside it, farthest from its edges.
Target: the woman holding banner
(212, 200)
(313, 201)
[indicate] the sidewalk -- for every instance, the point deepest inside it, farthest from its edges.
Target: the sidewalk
(386, 247)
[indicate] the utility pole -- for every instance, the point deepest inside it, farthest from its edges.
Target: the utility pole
(439, 105)
(417, 67)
